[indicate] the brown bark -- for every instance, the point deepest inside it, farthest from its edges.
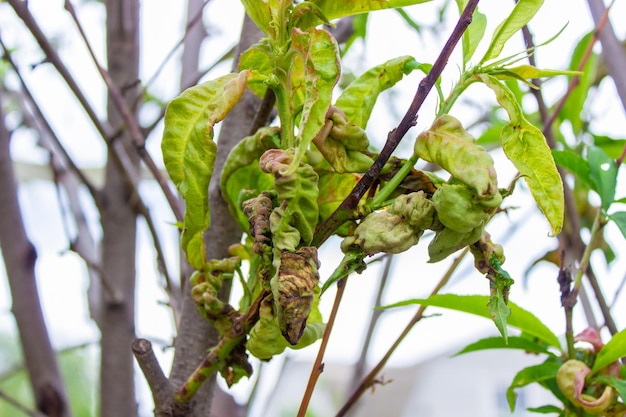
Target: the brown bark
(117, 388)
(19, 257)
(195, 335)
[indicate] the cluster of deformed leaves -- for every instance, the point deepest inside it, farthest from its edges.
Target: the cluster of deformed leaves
(280, 182)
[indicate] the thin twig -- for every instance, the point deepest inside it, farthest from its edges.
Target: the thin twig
(131, 122)
(325, 229)
(570, 238)
(318, 366)
(369, 379)
(161, 389)
(17, 404)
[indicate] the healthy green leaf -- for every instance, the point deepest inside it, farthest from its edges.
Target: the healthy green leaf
(189, 151)
(358, 99)
(514, 342)
(477, 305)
(613, 147)
(573, 108)
(320, 55)
(521, 14)
(620, 220)
(526, 147)
(546, 409)
(618, 384)
(574, 163)
(603, 172)
(529, 375)
(333, 9)
(526, 72)
(611, 352)
(474, 32)
(500, 312)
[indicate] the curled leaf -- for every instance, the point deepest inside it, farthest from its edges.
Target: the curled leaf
(241, 172)
(189, 151)
(293, 289)
(458, 209)
(297, 194)
(447, 144)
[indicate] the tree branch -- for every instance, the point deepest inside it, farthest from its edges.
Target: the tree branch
(19, 257)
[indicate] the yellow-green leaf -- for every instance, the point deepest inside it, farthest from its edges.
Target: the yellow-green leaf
(333, 9)
(521, 14)
(526, 147)
(189, 151)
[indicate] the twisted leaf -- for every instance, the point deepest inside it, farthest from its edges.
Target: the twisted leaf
(447, 144)
(242, 172)
(189, 151)
(320, 55)
(295, 220)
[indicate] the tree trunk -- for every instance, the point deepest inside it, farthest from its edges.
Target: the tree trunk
(196, 335)
(117, 390)
(19, 258)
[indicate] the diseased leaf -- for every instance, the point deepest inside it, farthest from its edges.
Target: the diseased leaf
(262, 13)
(257, 59)
(474, 32)
(358, 99)
(449, 145)
(525, 146)
(603, 172)
(320, 55)
(611, 352)
(521, 14)
(242, 173)
(477, 305)
(620, 220)
(189, 151)
(333, 9)
(514, 342)
(295, 219)
(526, 376)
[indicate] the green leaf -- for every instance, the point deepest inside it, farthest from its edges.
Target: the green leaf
(620, 220)
(334, 9)
(574, 105)
(603, 172)
(611, 352)
(521, 14)
(529, 375)
(189, 151)
(500, 313)
(320, 55)
(526, 72)
(358, 99)
(526, 147)
(613, 147)
(514, 342)
(546, 409)
(477, 305)
(574, 163)
(262, 13)
(449, 145)
(258, 60)
(474, 32)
